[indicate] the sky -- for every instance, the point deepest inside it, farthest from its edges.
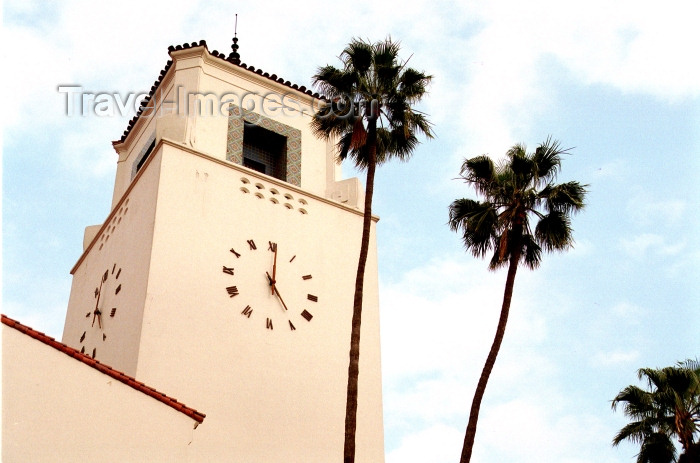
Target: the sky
(618, 82)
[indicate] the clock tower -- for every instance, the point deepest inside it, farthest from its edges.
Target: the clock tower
(224, 272)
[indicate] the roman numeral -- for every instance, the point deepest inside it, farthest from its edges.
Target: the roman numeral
(82, 338)
(82, 350)
(104, 337)
(97, 292)
(106, 274)
(119, 288)
(306, 277)
(233, 251)
(272, 246)
(113, 311)
(232, 291)
(251, 243)
(291, 326)
(94, 352)
(247, 311)
(311, 297)
(87, 315)
(119, 272)
(307, 315)
(114, 267)
(228, 270)
(293, 257)
(268, 324)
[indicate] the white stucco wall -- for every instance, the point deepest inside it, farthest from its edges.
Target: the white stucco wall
(57, 409)
(269, 395)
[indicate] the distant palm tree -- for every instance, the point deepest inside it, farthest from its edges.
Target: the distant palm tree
(670, 409)
(369, 112)
(514, 191)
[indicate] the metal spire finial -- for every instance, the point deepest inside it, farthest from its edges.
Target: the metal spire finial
(234, 57)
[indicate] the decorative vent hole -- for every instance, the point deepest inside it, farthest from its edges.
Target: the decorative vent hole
(288, 196)
(245, 190)
(259, 195)
(259, 186)
(303, 211)
(303, 201)
(288, 206)
(274, 200)
(244, 180)
(274, 191)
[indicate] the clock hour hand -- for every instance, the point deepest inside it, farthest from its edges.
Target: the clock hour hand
(97, 314)
(276, 291)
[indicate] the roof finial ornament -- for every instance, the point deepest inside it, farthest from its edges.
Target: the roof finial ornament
(234, 57)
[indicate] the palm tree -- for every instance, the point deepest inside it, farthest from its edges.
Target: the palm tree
(514, 191)
(369, 111)
(671, 408)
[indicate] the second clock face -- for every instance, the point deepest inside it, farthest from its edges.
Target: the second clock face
(269, 285)
(100, 318)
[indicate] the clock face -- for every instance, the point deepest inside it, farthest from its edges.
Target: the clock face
(270, 286)
(103, 314)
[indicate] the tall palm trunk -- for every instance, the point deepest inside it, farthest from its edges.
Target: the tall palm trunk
(491, 359)
(354, 366)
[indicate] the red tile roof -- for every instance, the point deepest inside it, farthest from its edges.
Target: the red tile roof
(222, 56)
(102, 368)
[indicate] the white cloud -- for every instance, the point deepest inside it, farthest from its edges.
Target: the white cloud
(628, 311)
(643, 48)
(627, 358)
(539, 429)
(435, 444)
(650, 243)
(645, 210)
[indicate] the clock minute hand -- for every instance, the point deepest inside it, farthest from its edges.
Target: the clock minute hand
(276, 291)
(274, 272)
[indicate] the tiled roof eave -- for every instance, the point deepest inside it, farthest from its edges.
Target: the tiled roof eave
(216, 54)
(102, 368)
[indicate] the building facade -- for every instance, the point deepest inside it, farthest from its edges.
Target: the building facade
(224, 272)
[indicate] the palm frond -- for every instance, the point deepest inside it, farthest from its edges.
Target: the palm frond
(531, 252)
(372, 89)
(670, 408)
(553, 231)
(480, 172)
(333, 82)
(413, 84)
(547, 158)
(657, 448)
(477, 221)
(357, 56)
(565, 197)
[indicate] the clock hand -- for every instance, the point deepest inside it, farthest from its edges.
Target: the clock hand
(96, 313)
(276, 291)
(274, 272)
